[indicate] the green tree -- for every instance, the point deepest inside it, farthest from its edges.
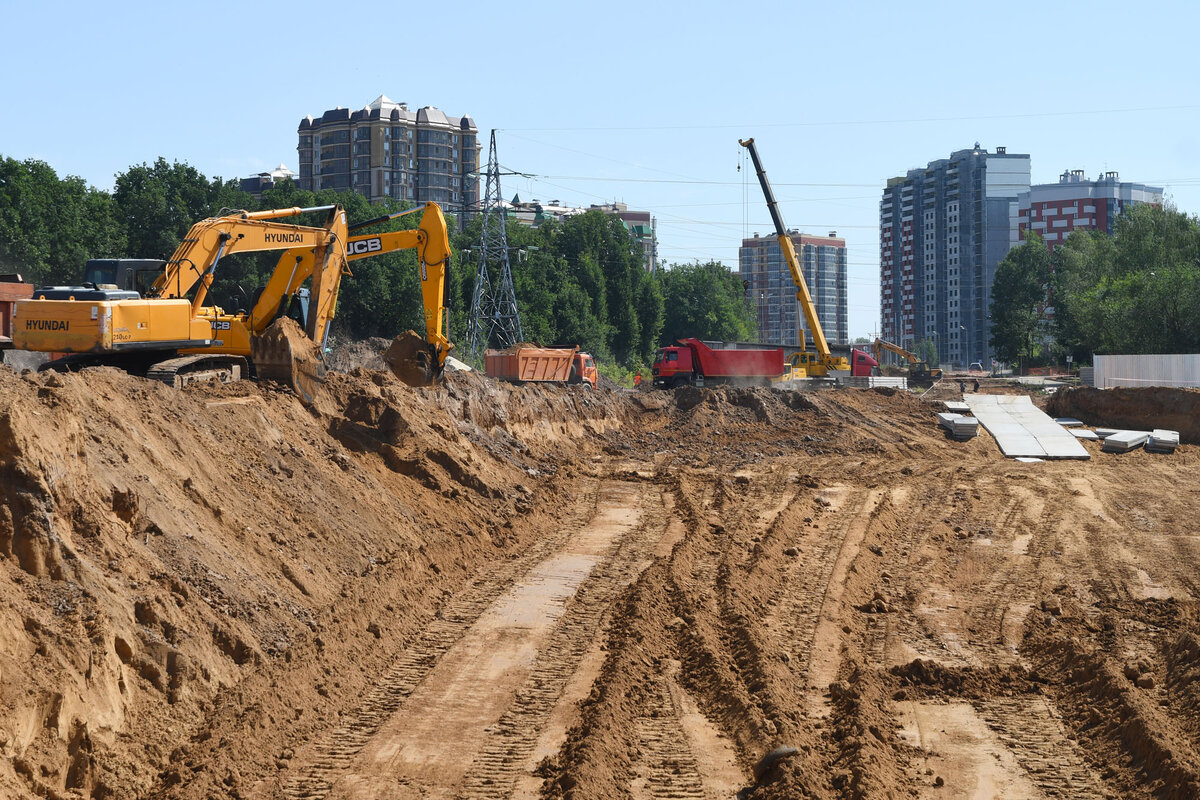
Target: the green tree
(1137, 291)
(1019, 299)
(50, 226)
(927, 351)
(158, 204)
(705, 301)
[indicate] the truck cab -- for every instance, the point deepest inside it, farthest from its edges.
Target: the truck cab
(862, 364)
(672, 366)
(583, 370)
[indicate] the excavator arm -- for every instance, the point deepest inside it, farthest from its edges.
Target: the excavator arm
(196, 259)
(881, 345)
(431, 241)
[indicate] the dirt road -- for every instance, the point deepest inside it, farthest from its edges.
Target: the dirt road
(488, 591)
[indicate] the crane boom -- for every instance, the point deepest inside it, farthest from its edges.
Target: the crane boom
(789, 254)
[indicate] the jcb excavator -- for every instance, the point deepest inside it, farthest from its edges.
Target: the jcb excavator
(804, 364)
(167, 337)
(918, 370)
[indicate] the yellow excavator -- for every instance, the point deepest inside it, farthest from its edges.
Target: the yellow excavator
(162, 334)
(918, 371)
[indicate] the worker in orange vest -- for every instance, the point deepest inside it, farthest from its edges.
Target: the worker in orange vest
(637, 380)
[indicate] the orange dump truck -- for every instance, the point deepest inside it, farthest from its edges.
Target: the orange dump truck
(541, 365)
(12, 289)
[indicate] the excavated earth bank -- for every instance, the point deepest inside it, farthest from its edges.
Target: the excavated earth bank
(1139, 409)
(482, 590)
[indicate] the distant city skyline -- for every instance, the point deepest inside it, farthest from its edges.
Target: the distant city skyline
(830, 137)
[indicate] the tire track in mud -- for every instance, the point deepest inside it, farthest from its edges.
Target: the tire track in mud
(806, 589)
(1032, 730)
(333, 752)
(670, 767)
(1013, 587)
(511, 741)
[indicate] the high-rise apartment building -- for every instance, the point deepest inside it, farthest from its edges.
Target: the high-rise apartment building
(773, 292)
(942, 232)
(1053, 210)
(385, 150)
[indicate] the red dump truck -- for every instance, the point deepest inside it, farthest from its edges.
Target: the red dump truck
(695, 362)
(541, 365)
(12, 289)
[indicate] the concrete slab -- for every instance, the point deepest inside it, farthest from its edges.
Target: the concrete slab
(1124, 441)
(1022, 430)
(1162, 441)
(1085, 434)
(957, 405)
(1068, 422)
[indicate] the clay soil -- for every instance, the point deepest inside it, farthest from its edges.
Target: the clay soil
(484, 590)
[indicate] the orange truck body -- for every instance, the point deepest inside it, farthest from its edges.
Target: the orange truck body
(541, 365)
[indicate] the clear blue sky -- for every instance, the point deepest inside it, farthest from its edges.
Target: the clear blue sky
(637, 102)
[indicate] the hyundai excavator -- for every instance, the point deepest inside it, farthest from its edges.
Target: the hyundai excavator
(823, 363)
(162, 334)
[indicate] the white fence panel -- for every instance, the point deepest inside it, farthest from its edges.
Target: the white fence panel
(1148, 370)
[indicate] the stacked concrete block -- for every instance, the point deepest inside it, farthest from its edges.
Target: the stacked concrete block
(1162, 441)
(1124, 441)
(960, 427)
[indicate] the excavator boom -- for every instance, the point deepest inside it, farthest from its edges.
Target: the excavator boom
(430, 240)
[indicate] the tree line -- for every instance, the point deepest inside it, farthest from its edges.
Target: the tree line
(1134, 291)
(581, 281)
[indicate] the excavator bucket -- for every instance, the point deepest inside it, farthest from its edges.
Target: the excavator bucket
(412, 359)
(284, 353)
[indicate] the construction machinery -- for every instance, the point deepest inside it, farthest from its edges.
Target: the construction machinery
(823, 363)
(12, 289)
(918, 370)
(162, 334)
(423, 358)
(694, 362)
(532, 364)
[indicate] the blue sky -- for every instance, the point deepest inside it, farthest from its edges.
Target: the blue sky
(637, 102)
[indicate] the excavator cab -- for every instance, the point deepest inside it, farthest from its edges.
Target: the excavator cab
(127, 274)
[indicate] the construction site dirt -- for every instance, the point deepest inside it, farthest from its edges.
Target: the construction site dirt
(490, 590)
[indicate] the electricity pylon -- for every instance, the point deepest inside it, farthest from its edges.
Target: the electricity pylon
(494, 318)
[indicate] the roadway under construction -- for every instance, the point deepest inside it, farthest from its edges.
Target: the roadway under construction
(488, 590)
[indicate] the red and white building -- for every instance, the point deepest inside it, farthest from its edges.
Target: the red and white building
(1053, 210)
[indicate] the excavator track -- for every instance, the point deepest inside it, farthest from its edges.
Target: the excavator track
(184, 370)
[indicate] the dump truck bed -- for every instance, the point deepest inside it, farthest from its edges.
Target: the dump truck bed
(737, 363)
(530, 363)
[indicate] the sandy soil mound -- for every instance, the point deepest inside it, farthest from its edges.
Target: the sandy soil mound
(351, 355)
(223, 562)
(1134, 409)
(220, 592)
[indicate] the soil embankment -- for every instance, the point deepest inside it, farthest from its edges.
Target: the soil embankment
(1139, 409)
(487, 590)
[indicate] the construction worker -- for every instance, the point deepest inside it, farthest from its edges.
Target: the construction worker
(637, 380)
(962, 386)
(976, 389)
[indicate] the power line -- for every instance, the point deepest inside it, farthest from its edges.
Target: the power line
(839, 123)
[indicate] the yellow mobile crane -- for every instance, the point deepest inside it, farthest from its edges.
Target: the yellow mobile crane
(822, 363)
